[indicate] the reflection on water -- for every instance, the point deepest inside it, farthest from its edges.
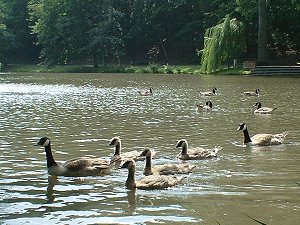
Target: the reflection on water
(82, 112)
(52, 180)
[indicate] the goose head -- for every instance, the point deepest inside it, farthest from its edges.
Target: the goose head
(257, 105)
(214, 90)
(181, 143)
(114, 141)
(44, 141)
(146, 152)
(128, 164)
(209, 103)
(242, 126)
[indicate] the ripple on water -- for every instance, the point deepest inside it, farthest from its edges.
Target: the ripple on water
(81, 114)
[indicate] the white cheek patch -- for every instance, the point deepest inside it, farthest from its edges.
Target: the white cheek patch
(46, 143)
(245, 127)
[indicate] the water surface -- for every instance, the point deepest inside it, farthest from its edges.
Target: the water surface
(80, 113)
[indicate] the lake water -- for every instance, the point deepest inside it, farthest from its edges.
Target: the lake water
(82, 112)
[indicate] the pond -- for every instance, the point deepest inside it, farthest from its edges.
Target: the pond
(80, 113)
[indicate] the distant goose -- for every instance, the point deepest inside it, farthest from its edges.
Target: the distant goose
(165, 169)
(146, 93)
(77, 167)
(209, 93)
(261, 139)
(262, 110)
(207, 107)
(148, 182)
(251, 93)
(195, 153)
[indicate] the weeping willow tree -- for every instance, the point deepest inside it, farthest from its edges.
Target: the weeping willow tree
(222, 43)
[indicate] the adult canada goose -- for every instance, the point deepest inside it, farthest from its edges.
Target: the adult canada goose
(146, 93)
(77, 167)
(209, 93)
(118, 156)
(207, 107)
(261, 139)
(195, 153)
(165, 169)
(148, 182)
(251, 93)
(262, 110)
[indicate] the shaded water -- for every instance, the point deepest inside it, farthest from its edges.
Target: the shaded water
(82, 112)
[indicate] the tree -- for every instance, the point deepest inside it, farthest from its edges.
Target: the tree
(222, 43)
(76, 31)
(104, 35)
(262, 56)
(7, 38)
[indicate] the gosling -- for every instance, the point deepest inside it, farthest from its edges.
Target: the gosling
(195, 153)
(148, 182)
(165, 169)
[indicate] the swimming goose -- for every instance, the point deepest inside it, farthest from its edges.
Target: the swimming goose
(118, 156)
(262, 110)
(165, 169)
(148, 182)
(195, 153)
(77, 167)
(261, 139)
(146, 93)
(207, 107)
(251, 93)
(209, 93)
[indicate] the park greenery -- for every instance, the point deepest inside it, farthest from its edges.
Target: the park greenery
(209, 34)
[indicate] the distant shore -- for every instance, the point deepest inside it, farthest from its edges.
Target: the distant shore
(152, 68)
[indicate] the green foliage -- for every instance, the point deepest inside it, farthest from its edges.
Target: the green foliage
(7, 38)
(107, 31)
(222, 43)
(76, 30)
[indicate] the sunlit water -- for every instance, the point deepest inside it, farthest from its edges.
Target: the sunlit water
(82, 112)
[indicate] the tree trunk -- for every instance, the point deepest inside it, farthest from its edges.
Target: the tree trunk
(262, 57)
(95, 60)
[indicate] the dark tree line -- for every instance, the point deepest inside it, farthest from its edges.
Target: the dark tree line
(145, 31)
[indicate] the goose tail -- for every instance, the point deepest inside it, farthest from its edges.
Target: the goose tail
(280, 137)
(180, 179)
(217, 149)
(283, 134)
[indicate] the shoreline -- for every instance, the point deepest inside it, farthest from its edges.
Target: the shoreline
(144, 69)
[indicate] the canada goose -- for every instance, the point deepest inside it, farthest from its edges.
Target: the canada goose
(251, 93)
(118, 156)
(209, 93)
(207, 107)
(146, 93)
(77, 167)
(261, 139)
(148, 182)
(262, 110)
(195, 153)
(165, 169)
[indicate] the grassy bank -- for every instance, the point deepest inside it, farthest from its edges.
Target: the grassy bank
(154, 68)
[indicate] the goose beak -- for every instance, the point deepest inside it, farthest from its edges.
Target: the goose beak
(37, 144)
(122, 166)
